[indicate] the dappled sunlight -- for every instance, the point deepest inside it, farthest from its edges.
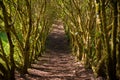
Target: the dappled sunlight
(58, 64)
(59, 40)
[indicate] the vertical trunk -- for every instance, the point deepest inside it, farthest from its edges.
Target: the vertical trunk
(119, 40)
(114, 36)
(119, 58)
(99, 49)
(107, 45)
(7, 29)
(12, 71)
(27, 42)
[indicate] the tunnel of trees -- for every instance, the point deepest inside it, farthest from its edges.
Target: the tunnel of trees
(92, 28)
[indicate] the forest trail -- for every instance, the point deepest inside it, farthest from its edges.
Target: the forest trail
(57, 63)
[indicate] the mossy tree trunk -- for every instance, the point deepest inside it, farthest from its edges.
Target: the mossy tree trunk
(27, 39)
(11, 74)
(112, 75)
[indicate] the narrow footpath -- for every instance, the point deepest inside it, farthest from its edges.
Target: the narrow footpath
(57, 63)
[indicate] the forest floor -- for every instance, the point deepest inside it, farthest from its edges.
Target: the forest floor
(57, 63)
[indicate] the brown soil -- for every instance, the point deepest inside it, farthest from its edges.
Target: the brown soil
(57, 63)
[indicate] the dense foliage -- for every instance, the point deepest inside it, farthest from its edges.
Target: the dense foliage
(24, 26)
(92, 28)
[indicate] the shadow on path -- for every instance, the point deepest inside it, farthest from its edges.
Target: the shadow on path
(57, 40)
(57, 63)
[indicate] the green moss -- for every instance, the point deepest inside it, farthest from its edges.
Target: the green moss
(3, 36)
(5, 43)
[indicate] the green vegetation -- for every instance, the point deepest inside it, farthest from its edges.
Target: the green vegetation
(92, 28)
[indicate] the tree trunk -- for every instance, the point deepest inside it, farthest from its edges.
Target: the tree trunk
(27, 42)
(114, 37)
(109, 62)
(7, 29)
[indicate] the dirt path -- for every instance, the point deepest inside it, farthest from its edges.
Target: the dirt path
(57, 63)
